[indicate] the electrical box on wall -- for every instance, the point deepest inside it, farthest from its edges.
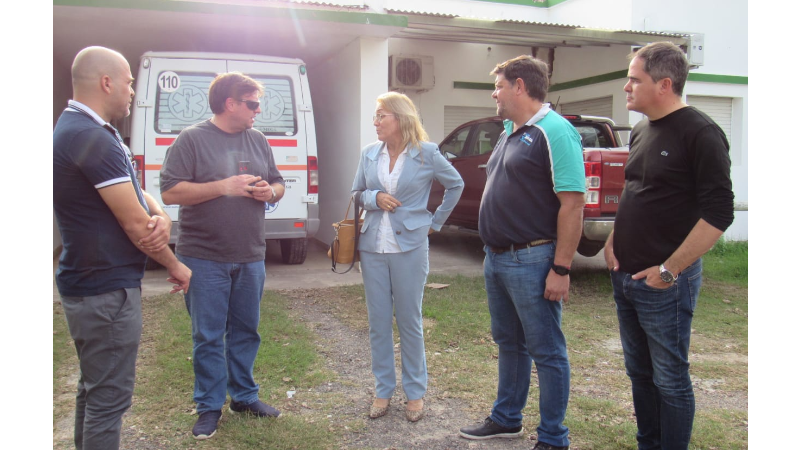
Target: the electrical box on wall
(411, 72)
(695, 50)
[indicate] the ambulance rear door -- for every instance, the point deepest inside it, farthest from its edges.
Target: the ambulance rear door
(282, 121)
(177, 97)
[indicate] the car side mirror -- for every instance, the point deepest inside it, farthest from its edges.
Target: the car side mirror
(450, 156)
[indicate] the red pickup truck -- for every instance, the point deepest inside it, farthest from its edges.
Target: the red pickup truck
(469, 146)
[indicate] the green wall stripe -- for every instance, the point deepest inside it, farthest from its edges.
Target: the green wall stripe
(621, 74)
(244, 10)
(544, 4)
(476, 86)
(589, 80)
(710, 78)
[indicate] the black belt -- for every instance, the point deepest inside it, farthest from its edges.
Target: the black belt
(516, 247)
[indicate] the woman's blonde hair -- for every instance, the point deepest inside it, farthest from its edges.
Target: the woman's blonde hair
(406, 113)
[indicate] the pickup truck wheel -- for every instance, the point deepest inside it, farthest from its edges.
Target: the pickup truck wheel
(293, 251)
(590, 248)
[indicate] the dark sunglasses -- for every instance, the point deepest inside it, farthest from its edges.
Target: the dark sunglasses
(251, 105)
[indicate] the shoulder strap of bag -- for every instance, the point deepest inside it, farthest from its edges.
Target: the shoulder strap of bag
(356, 218)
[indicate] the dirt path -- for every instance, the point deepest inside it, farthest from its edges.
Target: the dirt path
(346, 352)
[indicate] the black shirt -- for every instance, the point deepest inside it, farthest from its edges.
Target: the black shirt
(678, 172)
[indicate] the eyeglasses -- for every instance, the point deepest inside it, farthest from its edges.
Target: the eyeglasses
(251, 105)
(379, 117)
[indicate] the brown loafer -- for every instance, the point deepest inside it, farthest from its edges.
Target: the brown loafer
(378, 411)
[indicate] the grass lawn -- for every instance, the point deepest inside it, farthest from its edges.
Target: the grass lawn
(462, 362)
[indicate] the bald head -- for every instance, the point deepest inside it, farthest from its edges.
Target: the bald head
(101, 79)
(92, 63)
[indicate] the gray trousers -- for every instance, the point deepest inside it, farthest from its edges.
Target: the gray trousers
(106, 329)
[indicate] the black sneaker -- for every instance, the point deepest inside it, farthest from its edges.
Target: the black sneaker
(544, 446)
(206, 425)
(490, 430)
(257, 408)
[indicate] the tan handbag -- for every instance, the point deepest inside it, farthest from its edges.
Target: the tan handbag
(344, 248)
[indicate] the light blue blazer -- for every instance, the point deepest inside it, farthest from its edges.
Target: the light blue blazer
(411, 221)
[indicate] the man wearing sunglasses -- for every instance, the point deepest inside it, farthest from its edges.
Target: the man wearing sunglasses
(222, 172)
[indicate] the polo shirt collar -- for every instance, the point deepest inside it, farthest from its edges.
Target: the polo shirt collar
(80, 107)
(539, 114)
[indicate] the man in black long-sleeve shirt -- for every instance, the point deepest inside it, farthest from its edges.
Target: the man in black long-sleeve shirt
(676, 204)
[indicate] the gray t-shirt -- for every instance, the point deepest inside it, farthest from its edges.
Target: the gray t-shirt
(225, 229)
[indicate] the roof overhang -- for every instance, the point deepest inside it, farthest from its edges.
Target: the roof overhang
(312, 31)
(531, 34)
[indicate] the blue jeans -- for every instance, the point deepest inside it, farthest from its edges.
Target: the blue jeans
(655, 326)
(224, 305)
(527, 326)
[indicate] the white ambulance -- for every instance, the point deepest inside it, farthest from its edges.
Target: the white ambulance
(172, 94)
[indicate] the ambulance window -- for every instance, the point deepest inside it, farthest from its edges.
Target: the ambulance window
(187, 105)
(277, 116)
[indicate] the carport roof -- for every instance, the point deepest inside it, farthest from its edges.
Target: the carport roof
(311, 29)
(452, 28)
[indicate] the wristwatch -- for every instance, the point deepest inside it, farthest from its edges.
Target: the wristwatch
(666, 275)
(560, 270)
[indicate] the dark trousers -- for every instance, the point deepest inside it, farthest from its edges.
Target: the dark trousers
(106, 329)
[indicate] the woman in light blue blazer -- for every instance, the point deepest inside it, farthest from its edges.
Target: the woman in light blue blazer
(394, 178)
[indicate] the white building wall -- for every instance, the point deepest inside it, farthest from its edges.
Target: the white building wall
(571, 64)
(724, 27)
(344, 91)
(575, 63)
(725, 53)
(453, 62)
(606, 14)
(738, 146)
(723, 24)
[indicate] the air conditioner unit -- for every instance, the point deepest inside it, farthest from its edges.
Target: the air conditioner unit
(695, 50)
(411, 72)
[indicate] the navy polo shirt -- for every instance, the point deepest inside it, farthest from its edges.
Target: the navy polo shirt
(98, 257)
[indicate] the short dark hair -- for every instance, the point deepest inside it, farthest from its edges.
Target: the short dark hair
(664, 60)
(532, 71)
(230, 85)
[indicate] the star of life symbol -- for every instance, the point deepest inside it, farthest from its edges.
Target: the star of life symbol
(188, 103)
(272, 106)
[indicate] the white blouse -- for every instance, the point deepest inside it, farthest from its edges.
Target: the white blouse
(386, 242)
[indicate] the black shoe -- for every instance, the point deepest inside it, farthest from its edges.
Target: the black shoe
(490, 430)
(257, 408)
(543, 446)
(206, 425)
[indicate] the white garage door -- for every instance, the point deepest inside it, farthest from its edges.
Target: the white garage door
(718, 108)
(594, 107)
(457, 115)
